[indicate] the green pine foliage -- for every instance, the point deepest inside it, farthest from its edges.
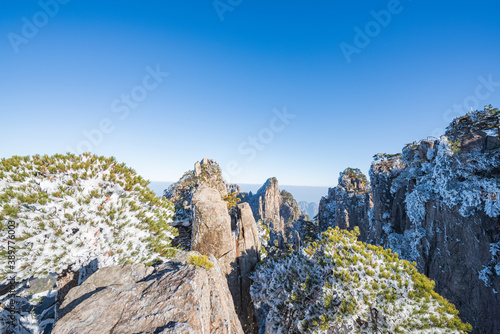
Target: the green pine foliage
(200, 261)
(71, 209)
(231, 199)
(338, 282)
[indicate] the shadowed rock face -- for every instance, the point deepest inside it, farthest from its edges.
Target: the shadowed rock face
(452, 248)
(346, 205)
(176, 298)
(247, 255)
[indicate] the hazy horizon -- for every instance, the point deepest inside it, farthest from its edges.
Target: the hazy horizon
(300, 193)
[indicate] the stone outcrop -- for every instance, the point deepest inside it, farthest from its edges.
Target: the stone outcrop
(289, 208)
(435, 204)
(266, 204)
(205, 173)
(176, 298)
(277, 210)
(209, 173)
(237, 249)
(220, 228)
(212, 234)
(346, 205)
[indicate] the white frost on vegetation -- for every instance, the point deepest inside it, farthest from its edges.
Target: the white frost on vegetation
(340, 283)
(70, 210)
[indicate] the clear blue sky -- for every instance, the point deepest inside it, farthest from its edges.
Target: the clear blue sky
(75, 69)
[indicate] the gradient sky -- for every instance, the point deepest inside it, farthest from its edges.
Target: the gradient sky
(227, 78)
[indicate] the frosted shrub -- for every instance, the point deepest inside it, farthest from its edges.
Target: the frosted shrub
(70, 210)
(339, 283)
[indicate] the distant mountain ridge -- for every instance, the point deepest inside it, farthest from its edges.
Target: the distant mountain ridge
(310, 209)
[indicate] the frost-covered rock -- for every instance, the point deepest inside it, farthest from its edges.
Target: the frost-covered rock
(347, 204)
(438, 204)
(339, 284)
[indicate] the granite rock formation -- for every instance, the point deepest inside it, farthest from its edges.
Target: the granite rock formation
(278, 211)
(176, 298)
(213, 223)
(438, 204)
(212, 234)
(205, 173)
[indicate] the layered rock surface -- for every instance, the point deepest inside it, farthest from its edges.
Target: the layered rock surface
(279, 211)
(175, 298)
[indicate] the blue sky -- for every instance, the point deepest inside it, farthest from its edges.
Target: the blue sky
(99, 67)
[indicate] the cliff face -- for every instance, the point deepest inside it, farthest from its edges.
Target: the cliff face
(279, 212)
(211, 222)
(438, 204)
(346, 205)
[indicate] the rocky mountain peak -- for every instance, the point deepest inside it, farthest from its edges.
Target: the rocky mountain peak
(352, 179)
(437, 203)
(214, 224)
(208, 172)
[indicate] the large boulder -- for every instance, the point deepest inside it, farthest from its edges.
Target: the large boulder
(206, 173)
(212, 233)
(176, 298)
